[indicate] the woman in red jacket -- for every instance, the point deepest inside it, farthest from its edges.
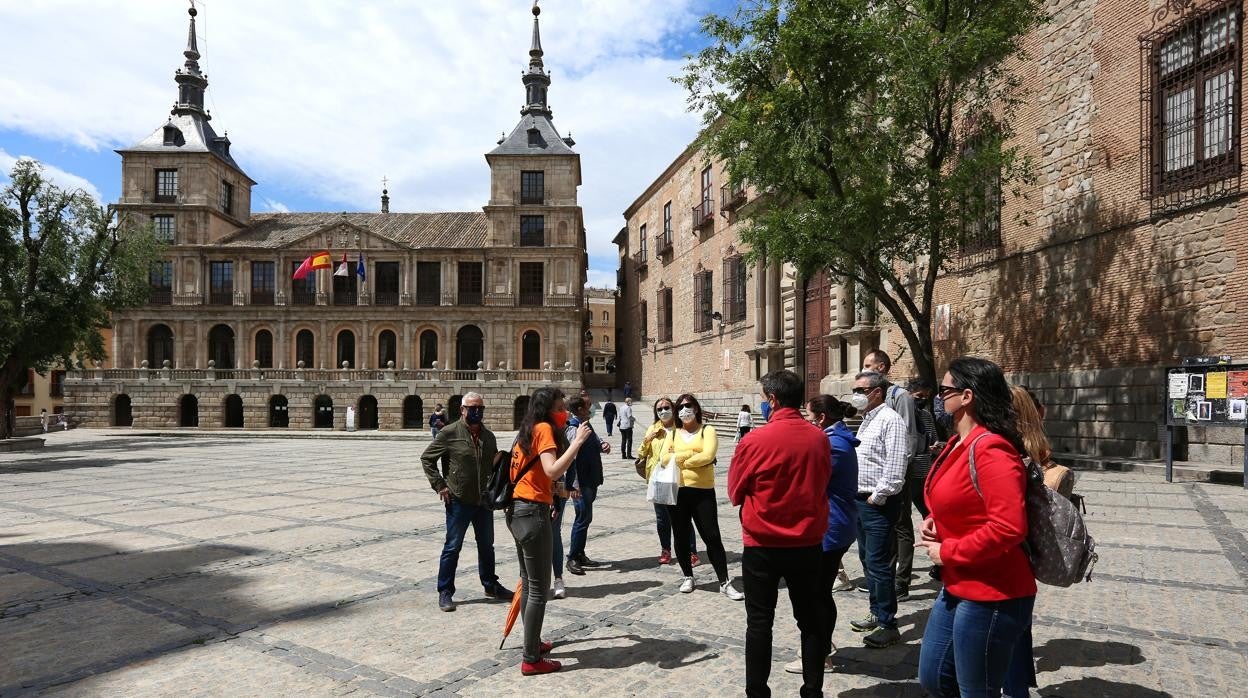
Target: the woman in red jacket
(977, 534)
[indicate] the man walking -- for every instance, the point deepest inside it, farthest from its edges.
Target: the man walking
(583, 479)
(882, 455)
(779, 476)
(628, 389)
(465, 449)
(609, 413)
(625, 422)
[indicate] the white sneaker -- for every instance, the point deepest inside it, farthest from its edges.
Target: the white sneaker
(560, 592)
(731, 593)
(686, 585)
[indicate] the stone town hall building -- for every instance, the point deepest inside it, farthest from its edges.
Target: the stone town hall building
(488, 300)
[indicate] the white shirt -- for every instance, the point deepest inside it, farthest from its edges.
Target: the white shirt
(745, 419)
(624, 419)
(882, 454)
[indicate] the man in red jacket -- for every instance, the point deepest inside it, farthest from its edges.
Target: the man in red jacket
(779, 477)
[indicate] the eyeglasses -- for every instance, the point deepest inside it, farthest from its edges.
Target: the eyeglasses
(683, 405)
(946, 390)
(862, 391)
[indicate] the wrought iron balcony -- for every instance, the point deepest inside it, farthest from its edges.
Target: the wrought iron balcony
(703, 215)
(262, 297)
(386, 298)
(731, 196)
(662, 245)
(221, 297)
(160, 296)
(640, 260)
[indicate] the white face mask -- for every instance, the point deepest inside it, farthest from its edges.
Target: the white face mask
(686, 414)
(859, 401)
(665, 413)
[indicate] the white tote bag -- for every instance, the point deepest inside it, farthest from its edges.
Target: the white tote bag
(664, 483)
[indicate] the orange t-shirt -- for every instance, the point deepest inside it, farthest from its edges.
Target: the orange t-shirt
(535, 486)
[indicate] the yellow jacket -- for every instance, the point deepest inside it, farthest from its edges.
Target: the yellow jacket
(696, 457)
(650, 451)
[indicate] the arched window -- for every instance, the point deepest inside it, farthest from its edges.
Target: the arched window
(428, 348)
(387, 349)
(346, 349)
(233, 412)
(305, 349)
(606, 318)
(122, 415)
(159, 346)
(221, 346)
(469, 348)
(264, 348)
(531, 350)
(413, 412)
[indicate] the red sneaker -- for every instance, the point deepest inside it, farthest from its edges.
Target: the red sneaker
(693, 560)
(546, 647)
(665, 557)
(541, 666)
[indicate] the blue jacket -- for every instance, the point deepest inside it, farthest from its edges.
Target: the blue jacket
(586, 470)
(842, 488)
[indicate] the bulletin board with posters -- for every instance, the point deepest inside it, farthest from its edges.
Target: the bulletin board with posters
(1206, 392)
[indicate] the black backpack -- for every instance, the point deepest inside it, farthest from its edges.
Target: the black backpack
(500, 490)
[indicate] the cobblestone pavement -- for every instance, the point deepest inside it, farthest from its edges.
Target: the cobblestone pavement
(134, 565)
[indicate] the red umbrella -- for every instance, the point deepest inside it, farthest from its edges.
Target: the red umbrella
(513, 612)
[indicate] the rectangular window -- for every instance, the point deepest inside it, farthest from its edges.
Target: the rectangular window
(532, 187)
(706, 184)
(161, 279)
(641, 245)
(221, 283)
(386, 286)
(302, 291)
(532, 283)
(29, 388)
(428, 283)
(163, 224)
(981, 218)
(345, 287)
(667, 222)
(665, 315)
(166, 186)
(734, 289)
(645, 326)
(227, 197)
(263, 283)
(471, 283)
(702, 297)
(58, 384)
(532, 231)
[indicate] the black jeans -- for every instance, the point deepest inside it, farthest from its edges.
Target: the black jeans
(626, 442)
(828, 567)
(803, 572)
(903, 559)
(529, 523)
(695, 506)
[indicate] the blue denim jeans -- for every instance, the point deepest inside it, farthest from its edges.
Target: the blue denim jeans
(876, 543)
(968, 646)
(458, 517)
(663, 522)
(584, 507)
(556, 529)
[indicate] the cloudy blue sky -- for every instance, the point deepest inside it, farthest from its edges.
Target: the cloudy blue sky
(322, 99)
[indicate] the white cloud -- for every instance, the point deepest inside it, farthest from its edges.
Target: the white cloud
(598, 278)
(274, 206)
(61, 178)
(327, 97)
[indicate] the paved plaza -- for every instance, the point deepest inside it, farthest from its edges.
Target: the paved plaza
(144, 565)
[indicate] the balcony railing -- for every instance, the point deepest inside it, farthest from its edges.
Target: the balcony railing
(731, 196)
(531, 298)
(470, 298)
(640, 260)
(386, 298)
(440, 375)
(303, 298)
(225, 297)
(262, 297)
(662, 244)
(703, 215)
(428, 297)
(345, 298)
(531, 198)
(160, 296)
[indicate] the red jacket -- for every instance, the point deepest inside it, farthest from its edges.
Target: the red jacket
(779, 477)
(981, 537)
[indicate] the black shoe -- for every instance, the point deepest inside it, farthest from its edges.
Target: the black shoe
(882, 637)
(903, 595)
(862, 626)
(574, 566)
(445, 602)
(498, 591)
(586, 562)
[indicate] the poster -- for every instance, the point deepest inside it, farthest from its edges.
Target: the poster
(1195, 382)
(1215, 385)
(1177, 408)
(1238, 410)
(1237, 384)
(1178, 385)
(941, 323)
(1204, 411)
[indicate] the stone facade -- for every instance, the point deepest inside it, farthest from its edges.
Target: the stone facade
(601, 338)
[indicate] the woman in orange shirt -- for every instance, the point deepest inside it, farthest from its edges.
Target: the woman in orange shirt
(541, 456)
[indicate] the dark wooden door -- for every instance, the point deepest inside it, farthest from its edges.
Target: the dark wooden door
(818, 323)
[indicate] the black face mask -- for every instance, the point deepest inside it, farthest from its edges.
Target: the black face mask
(474, 415)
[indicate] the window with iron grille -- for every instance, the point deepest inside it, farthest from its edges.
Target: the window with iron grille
(221, 283)
(532, 187)
(163, 224)
(532, 283)
(645, 326)
(981, 223)
(665, 315)
(706, 185)
(702, 297)
(471, 283)
(302, 291)
(667, 222)
(263, 283)
(428, 283)
(734, 289)
(58, 383)
(227, 197)
(167, 185)
(386, 285)
(1191, 134)
(532, 231)
(160, 277)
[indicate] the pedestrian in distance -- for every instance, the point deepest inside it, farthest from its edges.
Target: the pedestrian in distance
(458, 463)
(628, 389)
(779, 478)
(43, 419)
(883, 453)
(541, 455)
(692, 444)
(650, 450)
(828, 413)
(625, 421)
(583, 480)
(977, 535)
(609, 412)
(437, 420)
(745, 420)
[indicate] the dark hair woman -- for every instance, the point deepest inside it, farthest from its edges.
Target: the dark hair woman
(693, 446)
(541, 448)
(664, 422)
(976, 531)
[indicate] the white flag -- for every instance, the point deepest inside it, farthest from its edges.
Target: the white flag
(342, 267)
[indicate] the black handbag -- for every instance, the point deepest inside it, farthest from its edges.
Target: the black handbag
(501, 488)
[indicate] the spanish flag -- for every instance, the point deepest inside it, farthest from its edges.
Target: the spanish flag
(319, 260)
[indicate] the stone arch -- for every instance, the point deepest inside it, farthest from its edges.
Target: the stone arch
(123, 415)
(531, 350)
(469, 348)
(188, 411)
(159, 346)
(233, 412)
(221, 346)
(323, 412)
(387, 343)
(279, 412)
(304, 347)
(344, 348)
(366, 412)
(563, 237)
(428, 343)
(262, 347)
(413, 412)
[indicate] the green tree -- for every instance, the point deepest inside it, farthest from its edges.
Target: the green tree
(65, 264)
(877, 132)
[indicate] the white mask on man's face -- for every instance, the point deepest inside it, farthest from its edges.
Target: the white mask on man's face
(859, 401)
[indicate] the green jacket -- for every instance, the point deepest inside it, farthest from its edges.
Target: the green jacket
(468, 462)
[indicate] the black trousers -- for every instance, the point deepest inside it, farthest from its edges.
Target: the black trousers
(903, 556)
(828, 568)
(803, 573)
(626, 442)
(696, 507)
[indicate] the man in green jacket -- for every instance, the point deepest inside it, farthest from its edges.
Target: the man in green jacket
(466, 450)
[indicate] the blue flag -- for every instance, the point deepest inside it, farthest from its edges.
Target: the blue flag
(359, 268)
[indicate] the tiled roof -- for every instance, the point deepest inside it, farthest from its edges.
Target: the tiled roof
(194, 135)
(413, 230)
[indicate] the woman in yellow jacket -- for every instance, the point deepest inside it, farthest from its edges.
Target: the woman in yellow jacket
(693, 445)
(664, 423)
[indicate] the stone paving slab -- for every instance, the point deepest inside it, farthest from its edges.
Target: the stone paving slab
(140, 566)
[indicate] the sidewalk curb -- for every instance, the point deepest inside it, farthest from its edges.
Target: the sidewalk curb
(1182, 472)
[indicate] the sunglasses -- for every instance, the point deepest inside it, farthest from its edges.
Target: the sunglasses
(862, 391)
(948, 390)
(683, 405)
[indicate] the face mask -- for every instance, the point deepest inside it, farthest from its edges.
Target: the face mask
(665, 414)
(560, 417)
(859, 401)
(474, 414)
(686, 414)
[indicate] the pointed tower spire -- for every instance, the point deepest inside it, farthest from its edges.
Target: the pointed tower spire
(536, 81)
(191, 82)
